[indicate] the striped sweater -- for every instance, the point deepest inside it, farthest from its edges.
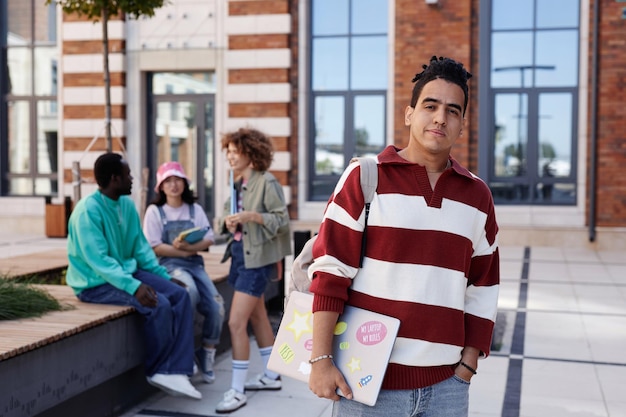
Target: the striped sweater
(431, 260)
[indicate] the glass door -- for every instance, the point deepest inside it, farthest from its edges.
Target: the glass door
(181, 128)
(183, 132)
(181, 115)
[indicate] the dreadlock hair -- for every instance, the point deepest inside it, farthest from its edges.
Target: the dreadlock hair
(106, 166)
(252, 143)
(444, 68)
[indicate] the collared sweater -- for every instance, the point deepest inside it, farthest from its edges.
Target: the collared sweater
(431, 260)
(105, 244)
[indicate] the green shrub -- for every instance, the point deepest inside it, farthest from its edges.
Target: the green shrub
(21, 300)
(52, 277)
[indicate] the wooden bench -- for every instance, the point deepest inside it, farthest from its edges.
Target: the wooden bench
(41, 263)
(44, 263)
(19, 336)
(76, 362)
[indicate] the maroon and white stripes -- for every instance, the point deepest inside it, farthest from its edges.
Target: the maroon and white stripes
(431, 260)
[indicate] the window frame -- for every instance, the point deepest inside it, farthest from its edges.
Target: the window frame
(33, 100)
(486, 123)
(349, 95)
(4, 145)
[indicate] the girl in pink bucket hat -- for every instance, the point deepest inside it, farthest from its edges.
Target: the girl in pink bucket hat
(167, 170)
(168, 220)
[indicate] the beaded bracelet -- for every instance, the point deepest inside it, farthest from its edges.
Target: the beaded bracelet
(469, 368)
(319, 358)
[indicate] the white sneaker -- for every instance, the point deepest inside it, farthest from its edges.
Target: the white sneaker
(261, 383)
(233, 400)
(175, 384)
(206, 359)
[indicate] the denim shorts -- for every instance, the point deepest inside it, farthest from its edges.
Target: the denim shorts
(251, 281)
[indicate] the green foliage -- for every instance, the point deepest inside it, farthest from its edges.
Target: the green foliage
(52, 277)
(93, 8)
(20, 300)
(324, 167)
(547, 150)
(362, 137)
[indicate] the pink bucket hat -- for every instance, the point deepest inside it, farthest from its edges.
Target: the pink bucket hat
(169, 169)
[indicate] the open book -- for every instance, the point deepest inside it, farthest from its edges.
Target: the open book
(194, 234)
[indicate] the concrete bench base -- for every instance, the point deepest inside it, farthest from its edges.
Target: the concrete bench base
(90, 369)
(86, 367)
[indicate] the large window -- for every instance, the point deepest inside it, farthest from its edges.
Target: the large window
(28, 89)
(348, 75)
(533, 89)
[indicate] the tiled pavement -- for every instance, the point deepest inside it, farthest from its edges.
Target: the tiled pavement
(563, 350)
(562, 354)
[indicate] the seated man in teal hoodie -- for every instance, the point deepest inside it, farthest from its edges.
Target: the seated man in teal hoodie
(111, 262)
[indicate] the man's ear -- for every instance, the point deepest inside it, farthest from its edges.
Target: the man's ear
(407, 115)
(463, 124)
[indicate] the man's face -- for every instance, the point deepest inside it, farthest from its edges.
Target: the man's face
(437, 119)
(124, 182)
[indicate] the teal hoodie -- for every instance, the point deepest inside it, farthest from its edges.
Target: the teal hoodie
(106, 244)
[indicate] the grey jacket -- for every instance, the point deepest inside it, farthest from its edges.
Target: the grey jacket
(267, 243)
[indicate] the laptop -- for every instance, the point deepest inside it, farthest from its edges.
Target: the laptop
(361, 347)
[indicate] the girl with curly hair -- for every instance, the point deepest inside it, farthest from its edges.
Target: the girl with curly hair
(258, 223)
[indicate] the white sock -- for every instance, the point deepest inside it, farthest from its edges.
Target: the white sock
(265, 356)
(211, 356)
(240, 372)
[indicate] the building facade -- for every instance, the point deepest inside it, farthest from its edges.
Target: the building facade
(327, 80)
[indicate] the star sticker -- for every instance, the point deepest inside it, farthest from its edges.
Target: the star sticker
(354, 364)
(300, 324)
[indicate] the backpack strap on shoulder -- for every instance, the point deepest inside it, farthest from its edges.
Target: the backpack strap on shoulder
(300, 280)
(369, 177)
(369, 183)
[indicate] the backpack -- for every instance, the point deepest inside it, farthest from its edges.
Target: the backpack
(300, 280)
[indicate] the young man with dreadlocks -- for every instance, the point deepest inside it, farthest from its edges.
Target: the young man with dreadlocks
(431, 260)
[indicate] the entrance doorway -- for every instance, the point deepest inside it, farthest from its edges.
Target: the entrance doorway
(182, 129)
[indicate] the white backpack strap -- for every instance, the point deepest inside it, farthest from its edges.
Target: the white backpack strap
(369, 183)
(369, 177)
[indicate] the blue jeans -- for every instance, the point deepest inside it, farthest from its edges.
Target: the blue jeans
(204, 296)
(168, 327)
(251, 281)
(449, 398)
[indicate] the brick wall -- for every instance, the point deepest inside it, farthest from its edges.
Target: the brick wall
(471, 149)
(20, 22)
(247, 7)
(611, 119)
(422, 31)
(241, 108)
(258, 41)
(243, 76)
(83, 88)
(293, 76)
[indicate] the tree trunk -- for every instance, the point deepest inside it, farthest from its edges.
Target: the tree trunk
(107, 77)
